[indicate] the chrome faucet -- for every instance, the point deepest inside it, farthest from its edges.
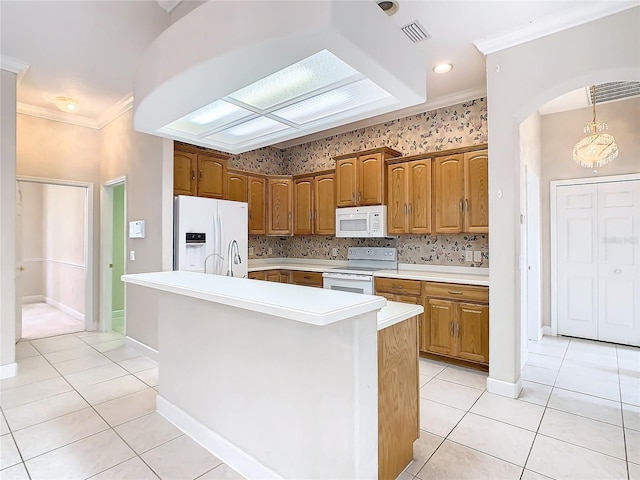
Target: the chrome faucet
(234, 251)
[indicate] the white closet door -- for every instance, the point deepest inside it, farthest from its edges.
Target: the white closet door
(619, 262)
(577, 264)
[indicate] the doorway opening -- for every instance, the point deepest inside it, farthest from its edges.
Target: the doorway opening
(53, 248)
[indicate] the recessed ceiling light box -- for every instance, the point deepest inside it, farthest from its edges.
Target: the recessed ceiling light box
(236, 76)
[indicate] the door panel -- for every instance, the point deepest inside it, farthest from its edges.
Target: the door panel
(346, 183)
(440, 318)
(303, 206)
(448, 192)
(257, 194)
(473, 332)
(325, 204)
(184, 173)
(420, 196)
(370, 180)
(476, 186)
(397, 201)
(237, 187)
(212, 177)
(280, 207)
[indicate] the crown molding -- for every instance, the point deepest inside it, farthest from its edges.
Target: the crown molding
(168, 5)
(122, 106)
(15, 65)
(439, 102)
(571, 17)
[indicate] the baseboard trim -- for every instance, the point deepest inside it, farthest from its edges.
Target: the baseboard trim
(506, 389)
(33, 299)
(546, 330)
(9, 370)
(244, 464)
(146, 350)
(64, 308)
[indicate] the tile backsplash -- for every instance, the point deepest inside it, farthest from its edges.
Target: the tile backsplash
(460, 125)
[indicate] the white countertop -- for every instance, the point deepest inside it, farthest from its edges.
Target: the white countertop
(315, 306)
(428, 273)
(396, 312)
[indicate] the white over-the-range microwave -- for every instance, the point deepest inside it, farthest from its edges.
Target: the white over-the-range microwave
(361, 222)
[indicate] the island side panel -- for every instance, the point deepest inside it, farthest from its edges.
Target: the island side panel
(398, 406)
(299, 399)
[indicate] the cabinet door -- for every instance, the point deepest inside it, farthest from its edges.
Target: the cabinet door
(257, 188)
(273, 275)
(476, 189)
(284, 276)
(279, 213)
(439, 316)
(472, 332)
(448, 193)
(212, 177)
(370, 178)
(184, 173)
(303, 206)
(325, 204)
(237, 187)
(346, 182)
(397, 176)
(420, 196)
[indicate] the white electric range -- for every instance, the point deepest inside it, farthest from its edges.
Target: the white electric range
(357, 275)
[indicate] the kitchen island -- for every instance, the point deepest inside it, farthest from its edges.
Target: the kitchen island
(281, 381)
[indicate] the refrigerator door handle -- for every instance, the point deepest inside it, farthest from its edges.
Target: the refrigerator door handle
(218, 244)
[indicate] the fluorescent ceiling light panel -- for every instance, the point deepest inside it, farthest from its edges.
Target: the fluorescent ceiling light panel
(258, 127)
(333, 102)
(210, 117)
(312, 73)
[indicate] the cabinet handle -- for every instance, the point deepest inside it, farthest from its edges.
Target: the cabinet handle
(451, 329)
(353, 197)
(457, 329)
(359, 196)
(249, 214)
(460, 206)
(455, 292)
(466, 204)
(399, 287)
(307, 277)
(410, 209)
(405, 208)
(200, 174)
(193, 174)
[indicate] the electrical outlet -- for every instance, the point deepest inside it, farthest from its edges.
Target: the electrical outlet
(251, 251)
(334, 252)
(477, 256)
(270, 251)
(468, 256)
(132, 255)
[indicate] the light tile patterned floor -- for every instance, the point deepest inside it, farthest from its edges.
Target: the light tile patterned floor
(41, 320)
(82, 406)
(578, 417)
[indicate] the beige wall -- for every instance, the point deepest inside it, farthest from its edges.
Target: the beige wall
(7, 221)
(560, 132)
(32, 285)
(520, 80)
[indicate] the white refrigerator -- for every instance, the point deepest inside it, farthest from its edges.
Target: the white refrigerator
(210, 236)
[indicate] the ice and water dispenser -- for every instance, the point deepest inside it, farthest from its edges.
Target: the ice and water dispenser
(196, 250)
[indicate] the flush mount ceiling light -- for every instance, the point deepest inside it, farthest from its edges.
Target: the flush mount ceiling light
(389, 7)
(597, 148)
(443, 68)
(66, 104)
(291, 76)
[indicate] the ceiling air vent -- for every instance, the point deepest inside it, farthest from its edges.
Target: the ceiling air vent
(608, 92)
(416, 32)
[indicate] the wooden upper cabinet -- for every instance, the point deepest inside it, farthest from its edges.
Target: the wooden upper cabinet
(325, 206)
(397, 198)
(448, 194)
(236, 186)
(303, 211)
(257, 194)
(476, 187)
(280, 205)
(346, 185)
(370, 180)
(212, 177)
(185, 166)
(419, 194)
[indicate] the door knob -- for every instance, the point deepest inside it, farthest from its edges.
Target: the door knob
(21, 268)
(111, 265)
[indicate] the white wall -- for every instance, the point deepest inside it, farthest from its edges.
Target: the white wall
(32, 284)
(560, 132)
(7, 222)
(519, 80)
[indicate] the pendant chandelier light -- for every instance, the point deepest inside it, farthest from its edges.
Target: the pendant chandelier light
(597, 148)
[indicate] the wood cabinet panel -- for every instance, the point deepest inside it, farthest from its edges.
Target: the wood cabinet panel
(397, 178)
(325, 204)
(257, 192)
(212, 177)
(398, 286)
(303, 206)
(476, 186)
(185, 167)
(310, 279)
(473, 293)
(258, 275)
(473, 332)
(346, 185)
(448, 193)
(280, 201)
(370, 180)
(419, 196)
(236, 186)
(439, 318)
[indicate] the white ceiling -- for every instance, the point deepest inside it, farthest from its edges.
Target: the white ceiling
(89, 49)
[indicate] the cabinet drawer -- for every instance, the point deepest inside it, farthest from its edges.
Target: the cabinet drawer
(258, 275)
(473, 293)
(396, 285)
(307, 278)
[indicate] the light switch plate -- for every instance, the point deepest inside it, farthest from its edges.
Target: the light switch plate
(132, 255)
(468, 256)
(270, 251)
(251, 251)
(334, 252)
(477, 256)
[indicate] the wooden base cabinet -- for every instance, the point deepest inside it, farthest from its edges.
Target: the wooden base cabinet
(456, 322)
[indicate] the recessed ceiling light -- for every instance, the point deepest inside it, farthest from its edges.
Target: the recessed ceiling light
(443, 68)
(67, 104)
(389, 6)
